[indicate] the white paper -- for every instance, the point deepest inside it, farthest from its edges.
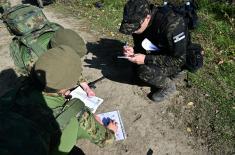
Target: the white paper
(115, 115)
(148, 45)
(92, 102)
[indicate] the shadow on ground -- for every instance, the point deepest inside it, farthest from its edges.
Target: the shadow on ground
(104, 58)
(34, 2)
(8, 79)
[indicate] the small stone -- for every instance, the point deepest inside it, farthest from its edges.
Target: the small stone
(189, 129)
(207, 95)
(220, 62)
(190, 104)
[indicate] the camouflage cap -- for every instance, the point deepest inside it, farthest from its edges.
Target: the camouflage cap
(58, 68)
(70, 38)
(134, 12)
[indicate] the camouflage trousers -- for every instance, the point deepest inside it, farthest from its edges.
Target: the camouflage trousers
(155, 75)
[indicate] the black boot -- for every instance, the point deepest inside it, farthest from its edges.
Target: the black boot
(165, 92)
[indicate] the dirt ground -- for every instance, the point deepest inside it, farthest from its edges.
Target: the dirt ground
(148, 130)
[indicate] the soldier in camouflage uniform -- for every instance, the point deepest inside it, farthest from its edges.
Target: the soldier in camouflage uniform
(167, 32)
(39, 115)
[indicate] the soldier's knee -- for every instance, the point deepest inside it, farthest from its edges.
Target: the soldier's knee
(150, 74)
(144, 73)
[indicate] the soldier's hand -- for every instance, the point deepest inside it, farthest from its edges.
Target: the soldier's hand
(97, 118)
(128, 51)
(64, 92)
(137, 58)
(87, 89)
(112, 126)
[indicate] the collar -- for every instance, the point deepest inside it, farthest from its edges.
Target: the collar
(153, 14)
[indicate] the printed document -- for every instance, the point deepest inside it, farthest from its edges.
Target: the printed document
(92, 102)
(148, 45)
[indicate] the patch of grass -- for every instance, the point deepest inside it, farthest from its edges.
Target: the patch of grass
(218, 32)
(222, 8)
(106, 18)
(213, 116)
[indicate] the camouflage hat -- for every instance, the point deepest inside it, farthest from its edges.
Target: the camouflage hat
(70, 38)
(134, 12)
(58, 68)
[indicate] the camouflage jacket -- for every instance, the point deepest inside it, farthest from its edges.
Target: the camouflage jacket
(167, 31)
(58, 122)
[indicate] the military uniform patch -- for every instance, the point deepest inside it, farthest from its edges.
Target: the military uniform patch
(179, 37)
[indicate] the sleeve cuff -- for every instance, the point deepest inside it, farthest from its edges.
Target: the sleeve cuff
(147, 59)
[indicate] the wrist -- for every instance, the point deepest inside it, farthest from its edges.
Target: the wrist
(84, 85)
(144, 59)
(147, 59)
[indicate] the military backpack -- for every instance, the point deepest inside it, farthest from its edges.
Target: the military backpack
(32, 31)
(187, 10)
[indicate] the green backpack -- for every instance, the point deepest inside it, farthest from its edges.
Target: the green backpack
(23, 19)
(32, 32)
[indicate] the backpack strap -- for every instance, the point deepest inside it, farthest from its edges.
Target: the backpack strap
(71, 109)
(161, 15)
(25, 50)
(33, 46)
(187, 10)
(12, 9)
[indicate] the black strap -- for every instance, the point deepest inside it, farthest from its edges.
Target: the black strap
(161, 15)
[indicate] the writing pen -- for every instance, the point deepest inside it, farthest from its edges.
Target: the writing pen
(122, 57)
(125, 57)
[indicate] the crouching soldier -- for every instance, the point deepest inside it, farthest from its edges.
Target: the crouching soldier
(38, 117)
(160, 41)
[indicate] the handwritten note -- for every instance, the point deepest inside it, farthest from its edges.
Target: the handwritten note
(115, 115)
